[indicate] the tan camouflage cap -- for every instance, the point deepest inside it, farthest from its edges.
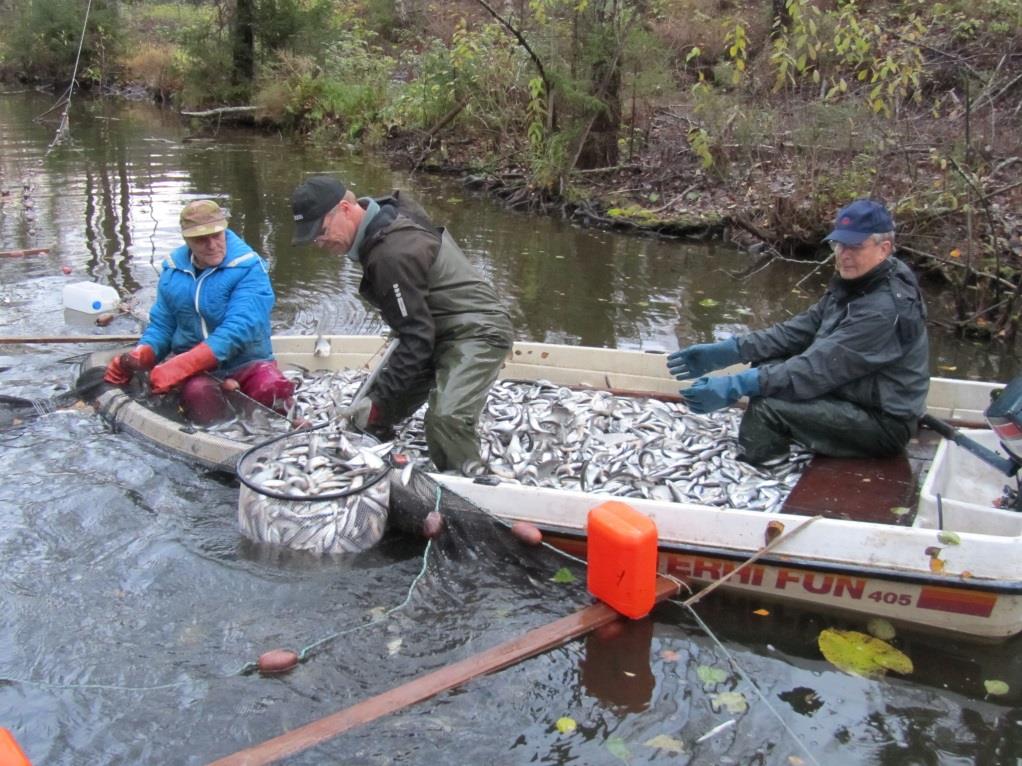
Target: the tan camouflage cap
(202, 217)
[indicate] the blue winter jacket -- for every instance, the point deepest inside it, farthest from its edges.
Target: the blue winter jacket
(227, 306)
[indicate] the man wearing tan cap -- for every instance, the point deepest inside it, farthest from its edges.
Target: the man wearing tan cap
(212, 312)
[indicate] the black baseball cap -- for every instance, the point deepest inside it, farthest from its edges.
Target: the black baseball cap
(310, 202)
(855, 223)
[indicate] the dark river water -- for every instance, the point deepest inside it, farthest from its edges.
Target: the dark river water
(130, 602)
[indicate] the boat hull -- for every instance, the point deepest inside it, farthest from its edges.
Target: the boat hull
(867, 569)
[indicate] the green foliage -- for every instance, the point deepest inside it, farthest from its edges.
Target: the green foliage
(43, 39)
(480, 70)
(836, 47)
(550, 164)
(737, 50)
(699, 140)
(298, 26)
(345, 87)
(167, 22)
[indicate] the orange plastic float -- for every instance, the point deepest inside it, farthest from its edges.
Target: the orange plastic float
(10, 753)
(621, 549)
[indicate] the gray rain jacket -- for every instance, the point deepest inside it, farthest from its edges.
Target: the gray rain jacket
(865, 342)
(426, 290)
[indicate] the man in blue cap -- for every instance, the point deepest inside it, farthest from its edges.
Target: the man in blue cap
(848, 377)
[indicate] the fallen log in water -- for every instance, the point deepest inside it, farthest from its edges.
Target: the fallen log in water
(26, 251)
(220, 111)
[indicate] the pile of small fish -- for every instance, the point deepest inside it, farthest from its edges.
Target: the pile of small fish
(546, 435)
(315, 491)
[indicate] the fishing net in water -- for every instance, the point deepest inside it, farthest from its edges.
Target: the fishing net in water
(477, 552)
(321, 490)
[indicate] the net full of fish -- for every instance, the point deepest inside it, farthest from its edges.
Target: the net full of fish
(537, 433)
(322, 491)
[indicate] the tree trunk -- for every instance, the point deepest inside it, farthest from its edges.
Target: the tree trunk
(781, 16)
(600, 149)
(243, 44)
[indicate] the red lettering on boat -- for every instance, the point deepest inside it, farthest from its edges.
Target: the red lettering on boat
(785, 576)
(854, 587)
(809, 583)
(706, 568)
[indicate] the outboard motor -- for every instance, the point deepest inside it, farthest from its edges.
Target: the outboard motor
(1005, 418)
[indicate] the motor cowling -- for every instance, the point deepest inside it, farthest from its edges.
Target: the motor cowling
(1005, 418)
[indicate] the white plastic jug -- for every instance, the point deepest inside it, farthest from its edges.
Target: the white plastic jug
(90, 297)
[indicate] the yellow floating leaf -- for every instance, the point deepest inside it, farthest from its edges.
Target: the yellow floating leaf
(936, 565)
(880, 628)
(860, 654)
(955, 253)
(566, 725)
(663, 742)
(947, 367)
(710, 675)
(993, 686)
(733, 702)
(617, 747)
(762, 612)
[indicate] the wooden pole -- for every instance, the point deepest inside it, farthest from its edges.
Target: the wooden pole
(504, 655)
(14, 340)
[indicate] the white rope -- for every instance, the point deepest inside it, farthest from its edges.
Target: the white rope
(62, 129)
(748, 679)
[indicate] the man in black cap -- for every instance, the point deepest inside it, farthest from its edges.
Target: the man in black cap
(848, 377)
(453, 333)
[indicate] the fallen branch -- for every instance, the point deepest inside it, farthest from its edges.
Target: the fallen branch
(26, 251)
(221, 111)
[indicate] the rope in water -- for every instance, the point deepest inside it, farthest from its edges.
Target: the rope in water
(248, 667)
(62, 129)
(748, 679)
(698, 596)
(306, 652)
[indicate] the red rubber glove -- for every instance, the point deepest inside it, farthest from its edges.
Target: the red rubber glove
(179, 368)
(122, 367)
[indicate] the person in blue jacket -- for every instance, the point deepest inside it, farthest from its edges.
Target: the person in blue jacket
(212, 314)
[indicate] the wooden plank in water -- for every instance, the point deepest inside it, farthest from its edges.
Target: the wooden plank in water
(504, 655)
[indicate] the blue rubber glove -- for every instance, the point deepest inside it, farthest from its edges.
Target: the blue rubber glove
(711, 394)
(697, 360)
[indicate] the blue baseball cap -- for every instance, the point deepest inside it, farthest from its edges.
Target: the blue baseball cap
(856, 222)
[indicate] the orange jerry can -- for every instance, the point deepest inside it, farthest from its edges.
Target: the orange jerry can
(621, 551)
(10, 753)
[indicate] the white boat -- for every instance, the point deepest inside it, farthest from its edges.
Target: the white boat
(949, 563)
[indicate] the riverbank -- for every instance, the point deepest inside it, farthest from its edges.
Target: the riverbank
(695, 120)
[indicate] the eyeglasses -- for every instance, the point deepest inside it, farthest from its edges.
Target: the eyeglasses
(840, 247)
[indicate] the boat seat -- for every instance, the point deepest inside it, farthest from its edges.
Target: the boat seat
(865, 489)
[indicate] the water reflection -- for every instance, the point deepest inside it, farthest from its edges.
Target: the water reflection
(108, 204)
(130, 600)
(616, 666)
